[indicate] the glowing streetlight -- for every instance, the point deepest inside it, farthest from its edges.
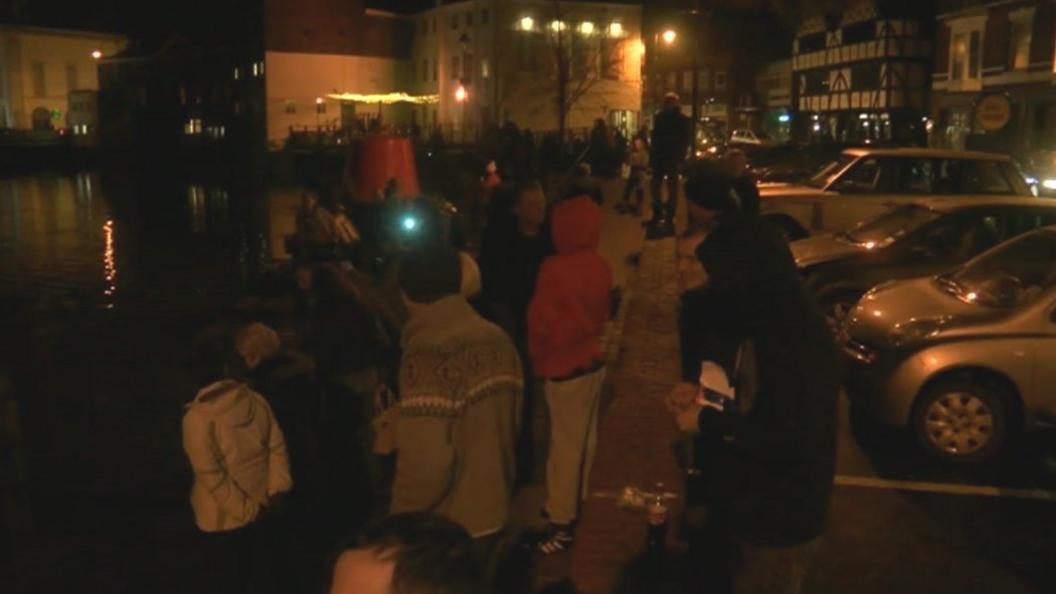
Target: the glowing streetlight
(557, 26)
(96, 54)
(527, 24)
(669, 36)
(615, 30)
(318, 100)
(460, 94)
(586, 28)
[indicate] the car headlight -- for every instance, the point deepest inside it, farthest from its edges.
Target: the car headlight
(1049, 184)
(915, 331)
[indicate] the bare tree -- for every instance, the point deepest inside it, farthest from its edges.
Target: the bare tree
(577, 60)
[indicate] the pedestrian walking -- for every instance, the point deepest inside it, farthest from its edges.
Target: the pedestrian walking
(412, 553)
(241, 470)
(745, 190)
(671, 140)
(636, 165)
(566, 321)
(460, 386)
(770, 404)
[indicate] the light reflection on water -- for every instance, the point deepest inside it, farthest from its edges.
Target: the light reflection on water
(56, 230)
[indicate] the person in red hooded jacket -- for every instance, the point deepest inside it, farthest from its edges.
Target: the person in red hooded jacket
(566, 320)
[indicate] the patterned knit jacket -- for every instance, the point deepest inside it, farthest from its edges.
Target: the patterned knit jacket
(460, 388)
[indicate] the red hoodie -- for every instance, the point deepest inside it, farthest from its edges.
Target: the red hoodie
(572, 295)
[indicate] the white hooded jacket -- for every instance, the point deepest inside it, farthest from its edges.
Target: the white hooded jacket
(237, 453)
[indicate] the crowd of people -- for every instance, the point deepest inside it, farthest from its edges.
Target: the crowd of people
(402, 402)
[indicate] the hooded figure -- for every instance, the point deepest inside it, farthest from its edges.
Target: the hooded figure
(238, 455)
(772, 474)
(566, 320)
(570, 307)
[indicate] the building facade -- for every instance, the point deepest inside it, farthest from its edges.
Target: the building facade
(998, 57)
(515, 60)
(40, 68)
(730, 49)
(860, 74)
(318, 48)
(773, 85)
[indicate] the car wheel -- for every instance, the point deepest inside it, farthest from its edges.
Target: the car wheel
(962, 421)
(837, 306)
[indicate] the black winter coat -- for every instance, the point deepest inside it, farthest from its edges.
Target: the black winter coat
(774, 469)
(671, 139)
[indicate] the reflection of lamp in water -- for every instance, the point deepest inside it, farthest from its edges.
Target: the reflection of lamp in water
(109, 262)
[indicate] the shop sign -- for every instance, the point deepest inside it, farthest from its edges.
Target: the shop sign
(992, 112)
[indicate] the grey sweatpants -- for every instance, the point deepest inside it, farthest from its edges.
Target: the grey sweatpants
(573, 437)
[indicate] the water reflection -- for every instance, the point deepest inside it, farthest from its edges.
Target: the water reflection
(109, 265)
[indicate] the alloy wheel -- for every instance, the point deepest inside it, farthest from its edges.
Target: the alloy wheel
(959, 424)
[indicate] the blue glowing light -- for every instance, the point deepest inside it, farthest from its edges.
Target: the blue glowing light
(410, 223)
(784, 118)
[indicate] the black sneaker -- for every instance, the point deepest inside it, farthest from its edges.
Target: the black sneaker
(558, 540)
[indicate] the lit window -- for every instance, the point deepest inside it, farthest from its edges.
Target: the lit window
(193, 126)
(238, 73)
(557, 26)
(255, 71)
(615, 30)
(586, 28)
(320, 105)
(1019, 39)
(966, 52)
(485, 69)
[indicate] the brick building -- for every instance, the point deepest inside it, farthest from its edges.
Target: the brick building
(1003, 51)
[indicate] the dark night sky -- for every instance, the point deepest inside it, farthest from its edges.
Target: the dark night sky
(161, 17)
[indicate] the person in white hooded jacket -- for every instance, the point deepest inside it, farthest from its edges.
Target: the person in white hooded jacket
(238, 455)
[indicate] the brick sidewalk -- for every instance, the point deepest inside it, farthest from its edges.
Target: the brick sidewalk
(637, 433)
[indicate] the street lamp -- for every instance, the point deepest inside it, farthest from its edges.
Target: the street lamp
(669, 36)
(460, 93)
(96, 54)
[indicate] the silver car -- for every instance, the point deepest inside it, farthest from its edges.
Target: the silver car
(862, 183)
(965, 359)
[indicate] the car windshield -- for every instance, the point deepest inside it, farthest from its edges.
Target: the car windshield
(1009, 276)
(824, 174)
(887, 228)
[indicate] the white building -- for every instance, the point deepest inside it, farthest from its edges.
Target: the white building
(40, 67)
(491, 61)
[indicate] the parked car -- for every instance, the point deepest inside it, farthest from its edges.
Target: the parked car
(745, 136)
(964, 359)
(921, 238)
(861, 183)
(792, 163)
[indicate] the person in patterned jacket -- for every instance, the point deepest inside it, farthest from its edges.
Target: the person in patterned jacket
(460, 385)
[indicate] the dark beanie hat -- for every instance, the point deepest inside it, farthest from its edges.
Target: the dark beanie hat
(710, 188)
(430, 274)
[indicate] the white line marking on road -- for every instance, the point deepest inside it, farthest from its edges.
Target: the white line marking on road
(944, 488)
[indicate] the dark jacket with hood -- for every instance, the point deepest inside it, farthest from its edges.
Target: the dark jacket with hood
(568, 313)
(774, 470)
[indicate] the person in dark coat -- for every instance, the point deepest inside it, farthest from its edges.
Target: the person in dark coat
(514, 248)
(772, 476)
(667, 152)
(745, 190)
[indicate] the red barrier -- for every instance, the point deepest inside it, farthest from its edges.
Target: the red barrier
(381, 158)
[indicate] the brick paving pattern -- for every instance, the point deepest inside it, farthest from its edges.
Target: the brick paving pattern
(637, 434)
